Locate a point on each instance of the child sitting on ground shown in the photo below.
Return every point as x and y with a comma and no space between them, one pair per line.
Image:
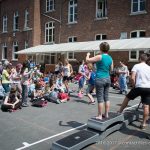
11,101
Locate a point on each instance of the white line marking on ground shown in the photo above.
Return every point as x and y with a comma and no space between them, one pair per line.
29,145
26,145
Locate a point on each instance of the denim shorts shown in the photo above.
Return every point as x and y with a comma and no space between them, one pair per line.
81,82
102,89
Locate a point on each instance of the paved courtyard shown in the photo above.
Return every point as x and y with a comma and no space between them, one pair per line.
34,128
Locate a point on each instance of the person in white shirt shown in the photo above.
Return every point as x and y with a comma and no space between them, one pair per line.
140,77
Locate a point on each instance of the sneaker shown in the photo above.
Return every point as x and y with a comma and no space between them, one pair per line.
25,105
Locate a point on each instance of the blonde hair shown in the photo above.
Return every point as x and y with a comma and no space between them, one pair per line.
90,66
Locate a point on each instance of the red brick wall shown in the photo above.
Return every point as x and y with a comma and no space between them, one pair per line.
119,20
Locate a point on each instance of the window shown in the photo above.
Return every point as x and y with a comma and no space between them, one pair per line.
133,55
101,8
4,51
26,23
72,39
123,35
70,55
16,21
137,6
138,34
50,5
72,16
101,37
5,23
15,49
26,45
49,32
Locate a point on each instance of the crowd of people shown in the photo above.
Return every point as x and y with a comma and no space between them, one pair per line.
25,81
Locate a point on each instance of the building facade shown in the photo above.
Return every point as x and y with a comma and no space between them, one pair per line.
33,22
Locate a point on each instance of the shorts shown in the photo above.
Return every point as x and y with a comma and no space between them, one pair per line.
66,78
81,82
143,92
57,72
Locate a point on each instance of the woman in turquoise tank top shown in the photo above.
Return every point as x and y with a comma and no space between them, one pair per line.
104,64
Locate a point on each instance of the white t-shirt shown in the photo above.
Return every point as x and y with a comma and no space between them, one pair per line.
142,71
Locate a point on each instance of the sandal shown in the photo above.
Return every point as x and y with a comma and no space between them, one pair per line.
143,127
92,103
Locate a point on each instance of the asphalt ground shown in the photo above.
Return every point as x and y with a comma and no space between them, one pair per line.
34,128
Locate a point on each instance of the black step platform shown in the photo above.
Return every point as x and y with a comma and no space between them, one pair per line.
76,141
101,125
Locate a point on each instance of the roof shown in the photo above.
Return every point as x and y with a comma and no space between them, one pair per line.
115,45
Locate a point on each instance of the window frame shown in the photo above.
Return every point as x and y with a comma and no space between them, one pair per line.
26,21
26,44
74,7
123,35
138,33
105,15
4,53
137,55
72,53
15,45
5,24
16,21
48,7
138,9
101,36
47,29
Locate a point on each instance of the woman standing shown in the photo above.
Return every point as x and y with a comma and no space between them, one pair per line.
6,78
104,65
24,82
67,71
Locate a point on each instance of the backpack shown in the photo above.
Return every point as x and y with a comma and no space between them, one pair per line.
39,102
92,78
63,96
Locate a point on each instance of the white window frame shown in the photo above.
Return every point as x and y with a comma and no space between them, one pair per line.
72,38
72,53
123,35
26,44
3,51
26,21
137,55
138,9
50,5
15,23
47,30
5,20
74,7
138,33
101,12
101,36
15,44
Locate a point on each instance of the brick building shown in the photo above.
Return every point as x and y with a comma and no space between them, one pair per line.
33,22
